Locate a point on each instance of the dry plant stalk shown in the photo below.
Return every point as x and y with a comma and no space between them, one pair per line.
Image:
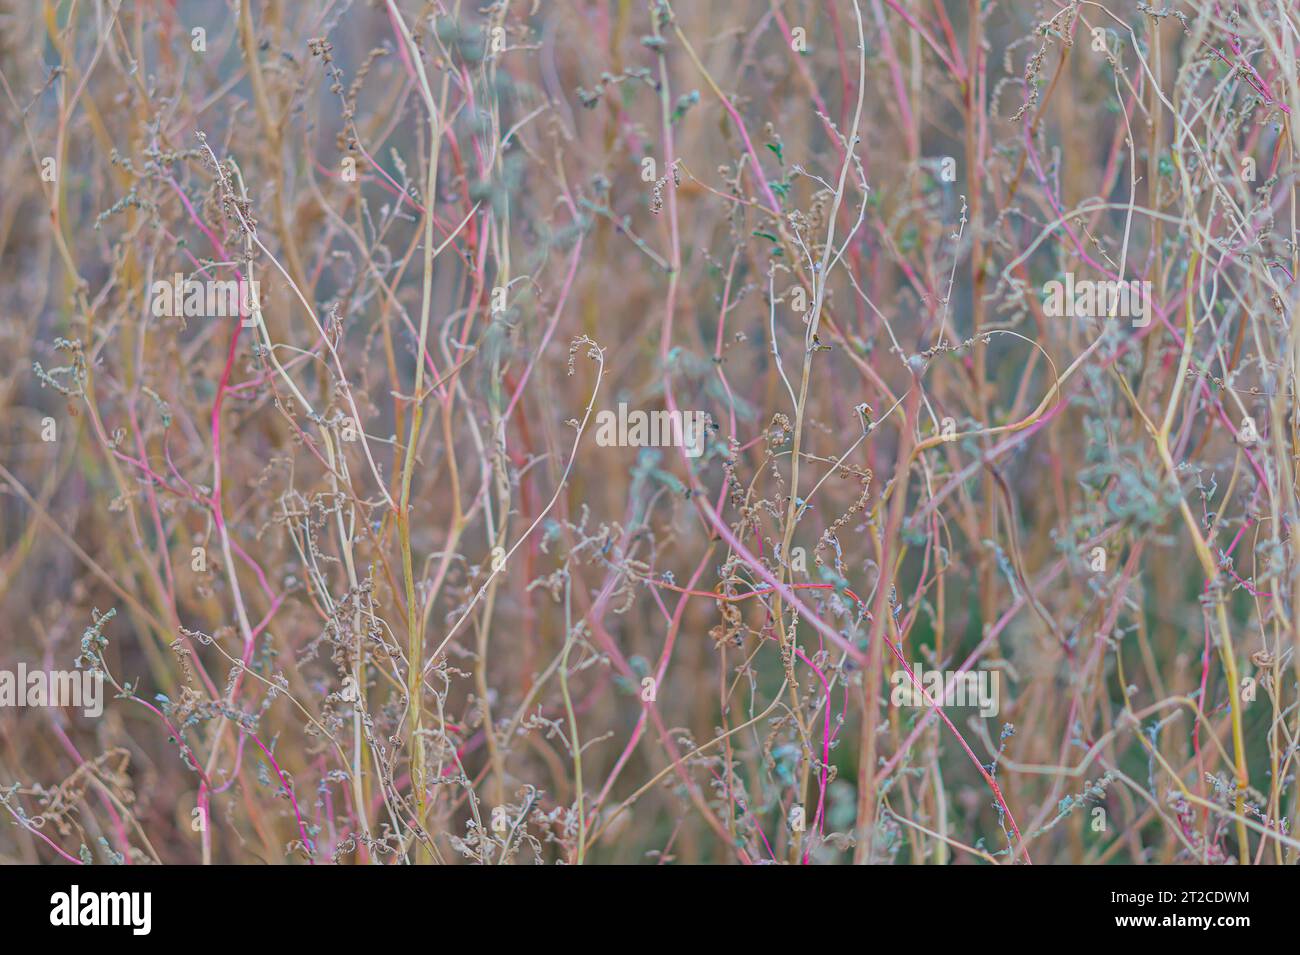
600,432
